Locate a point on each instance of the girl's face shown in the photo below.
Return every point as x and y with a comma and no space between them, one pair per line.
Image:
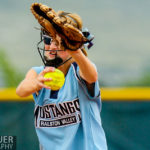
53,46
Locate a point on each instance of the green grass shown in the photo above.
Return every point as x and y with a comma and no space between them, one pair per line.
10,75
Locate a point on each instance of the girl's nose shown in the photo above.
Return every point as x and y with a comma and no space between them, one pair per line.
47,47
53,46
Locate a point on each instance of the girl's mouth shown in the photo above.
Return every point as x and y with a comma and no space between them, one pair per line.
53,52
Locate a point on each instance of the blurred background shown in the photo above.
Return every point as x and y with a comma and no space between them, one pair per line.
121,53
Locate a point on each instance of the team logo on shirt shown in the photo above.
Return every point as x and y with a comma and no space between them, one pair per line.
57,115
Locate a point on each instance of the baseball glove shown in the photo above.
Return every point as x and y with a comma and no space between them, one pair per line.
68,26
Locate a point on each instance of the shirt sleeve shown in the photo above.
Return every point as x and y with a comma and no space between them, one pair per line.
37,70
94,91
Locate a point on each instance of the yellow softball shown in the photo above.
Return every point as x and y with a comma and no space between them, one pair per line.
58,79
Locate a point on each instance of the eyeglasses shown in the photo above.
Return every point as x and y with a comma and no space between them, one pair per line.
47,39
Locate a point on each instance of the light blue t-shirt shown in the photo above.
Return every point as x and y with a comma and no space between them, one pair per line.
69,119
